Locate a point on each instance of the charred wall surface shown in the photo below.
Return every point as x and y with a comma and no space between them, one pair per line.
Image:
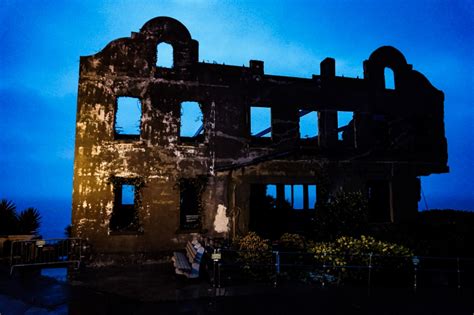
393,137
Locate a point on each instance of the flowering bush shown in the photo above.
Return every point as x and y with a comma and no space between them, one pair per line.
254,253
292,242
348,252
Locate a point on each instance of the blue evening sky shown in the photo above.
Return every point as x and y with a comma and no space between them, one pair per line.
41,42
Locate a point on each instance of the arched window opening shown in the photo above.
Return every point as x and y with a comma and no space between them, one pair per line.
164,55
389,79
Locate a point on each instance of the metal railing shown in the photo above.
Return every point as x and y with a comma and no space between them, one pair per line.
367,269
46,252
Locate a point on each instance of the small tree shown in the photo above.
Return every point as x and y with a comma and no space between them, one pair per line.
29,221
8,218
68,231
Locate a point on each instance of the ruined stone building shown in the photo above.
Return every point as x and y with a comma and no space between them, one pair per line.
151,188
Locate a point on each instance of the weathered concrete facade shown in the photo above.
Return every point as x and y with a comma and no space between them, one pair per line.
395,136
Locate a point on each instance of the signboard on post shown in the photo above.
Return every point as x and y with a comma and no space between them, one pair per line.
216,256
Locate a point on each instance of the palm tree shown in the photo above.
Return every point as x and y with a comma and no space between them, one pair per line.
8,217
29,221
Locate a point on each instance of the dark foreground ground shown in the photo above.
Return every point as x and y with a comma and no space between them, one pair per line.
154,289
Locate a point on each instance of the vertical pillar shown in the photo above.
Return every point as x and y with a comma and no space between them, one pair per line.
280,194
305,197
327,119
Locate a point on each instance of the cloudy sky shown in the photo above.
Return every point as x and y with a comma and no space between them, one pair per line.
41,42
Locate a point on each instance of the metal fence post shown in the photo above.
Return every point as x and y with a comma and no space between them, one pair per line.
277,267
370,274
219,274
459,273
415,261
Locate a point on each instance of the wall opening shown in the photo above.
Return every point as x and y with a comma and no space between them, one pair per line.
190,204
312,197
308,124
272,191
343,123
389,77
128,118
124,216
301,197
378,197
260,122
279,208
164,55
191,122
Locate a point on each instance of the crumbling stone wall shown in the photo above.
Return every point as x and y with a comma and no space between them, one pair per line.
395,136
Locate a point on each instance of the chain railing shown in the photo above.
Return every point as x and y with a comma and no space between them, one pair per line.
46,252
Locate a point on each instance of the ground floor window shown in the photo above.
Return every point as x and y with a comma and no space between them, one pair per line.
124,217
190,203
279,208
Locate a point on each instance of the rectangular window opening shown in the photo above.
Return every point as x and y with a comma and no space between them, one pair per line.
312,196
308,124
128,194
191,122
128,118
301,197
260,122
298,199
124,217
272,191
190,204
343,121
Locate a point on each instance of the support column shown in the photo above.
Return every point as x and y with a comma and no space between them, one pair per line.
327,119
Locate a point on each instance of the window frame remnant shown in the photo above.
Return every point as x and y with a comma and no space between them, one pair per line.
196,134
124,218
122,118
